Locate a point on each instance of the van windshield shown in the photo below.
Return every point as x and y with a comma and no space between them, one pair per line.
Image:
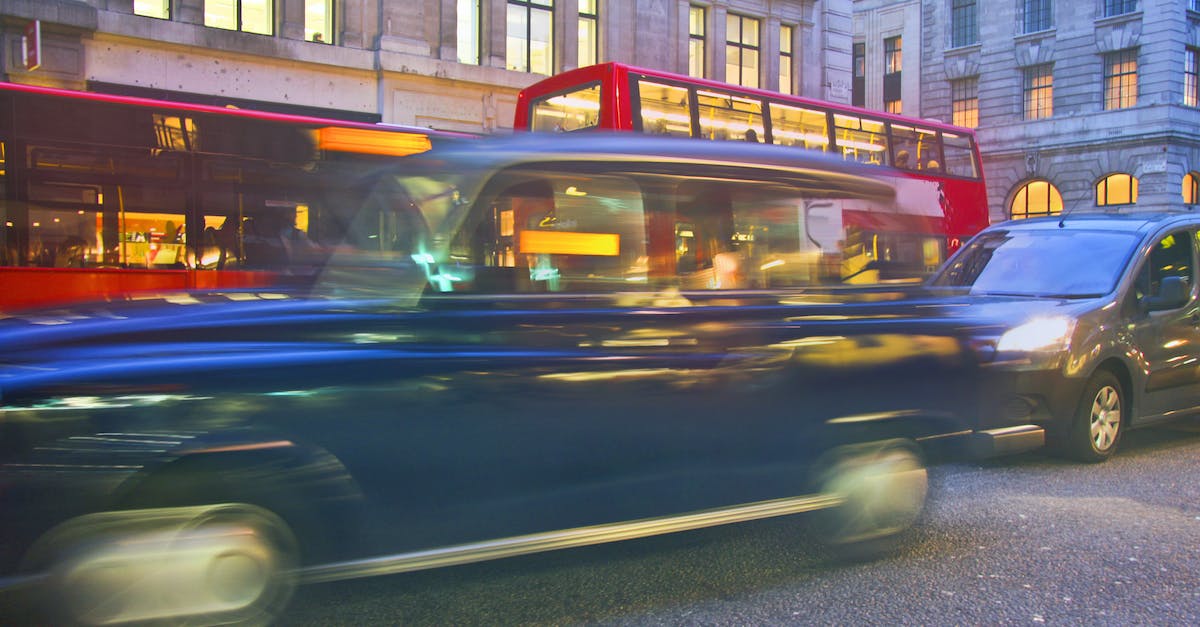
1049,263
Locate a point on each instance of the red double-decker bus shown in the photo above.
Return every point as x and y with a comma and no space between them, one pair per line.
105,196
941,198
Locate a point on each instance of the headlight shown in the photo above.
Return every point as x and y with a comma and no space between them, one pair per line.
1039,334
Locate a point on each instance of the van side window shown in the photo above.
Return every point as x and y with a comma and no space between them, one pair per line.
1171,256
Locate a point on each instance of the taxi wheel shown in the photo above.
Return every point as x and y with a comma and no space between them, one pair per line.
228,564
884,486
1097,426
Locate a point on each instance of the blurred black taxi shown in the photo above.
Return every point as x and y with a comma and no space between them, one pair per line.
520,346
1094,324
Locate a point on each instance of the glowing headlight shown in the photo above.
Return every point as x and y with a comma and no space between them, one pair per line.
1039,334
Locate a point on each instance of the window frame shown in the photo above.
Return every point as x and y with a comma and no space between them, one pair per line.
1037,98
964,23
529,7
697,41
965,110
239,22
742,48
1053,200
1119,79
592,46
1103,189
787,71
1037,16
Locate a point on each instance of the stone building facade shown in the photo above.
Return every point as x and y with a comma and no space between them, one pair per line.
398,61
1076,102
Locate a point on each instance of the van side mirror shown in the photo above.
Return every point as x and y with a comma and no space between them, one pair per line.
1173,293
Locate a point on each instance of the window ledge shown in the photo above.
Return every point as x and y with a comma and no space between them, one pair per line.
1036,35
1119,19
967,49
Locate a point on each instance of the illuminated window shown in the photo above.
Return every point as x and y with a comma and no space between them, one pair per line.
725,116
1120,79
1037,15
964,98
665,109
861,139
589,41
1036,198
697,16
964,27
1191,78
530,43
1119,7
803,128
318,21
468,31
741,50
153,8
1116,189
571,111
892,64
786,60
248,16
1038,99
1191,188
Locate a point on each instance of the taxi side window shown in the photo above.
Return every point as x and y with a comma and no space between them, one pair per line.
1171,256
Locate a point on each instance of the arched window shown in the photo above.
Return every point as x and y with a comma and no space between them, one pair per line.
1116,189
1191,188
1036,198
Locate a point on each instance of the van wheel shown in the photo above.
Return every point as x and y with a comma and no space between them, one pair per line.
1096,430
884,486
212,564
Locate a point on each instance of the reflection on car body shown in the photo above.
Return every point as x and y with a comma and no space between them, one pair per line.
521,346
1096,326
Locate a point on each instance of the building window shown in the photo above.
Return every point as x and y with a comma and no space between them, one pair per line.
1194,5
964,28
1037,15
1036,198
248,16
468,44
892,64
1116,189
1038,98
1191,188
858,88
530,42
589,41
786,59
1119,7
697,16
318,21
153,8
1191,77
1120,79
741,50
964,98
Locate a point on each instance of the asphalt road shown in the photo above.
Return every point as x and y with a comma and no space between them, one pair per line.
1026,540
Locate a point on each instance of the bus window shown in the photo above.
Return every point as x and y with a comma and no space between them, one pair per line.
960,155
915,148
725,116
802,128
574,110
860,139
665,109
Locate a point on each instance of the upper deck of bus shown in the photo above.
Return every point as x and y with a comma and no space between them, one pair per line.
616,75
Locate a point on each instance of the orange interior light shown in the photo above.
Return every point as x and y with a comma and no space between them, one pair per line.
372,142
569,243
